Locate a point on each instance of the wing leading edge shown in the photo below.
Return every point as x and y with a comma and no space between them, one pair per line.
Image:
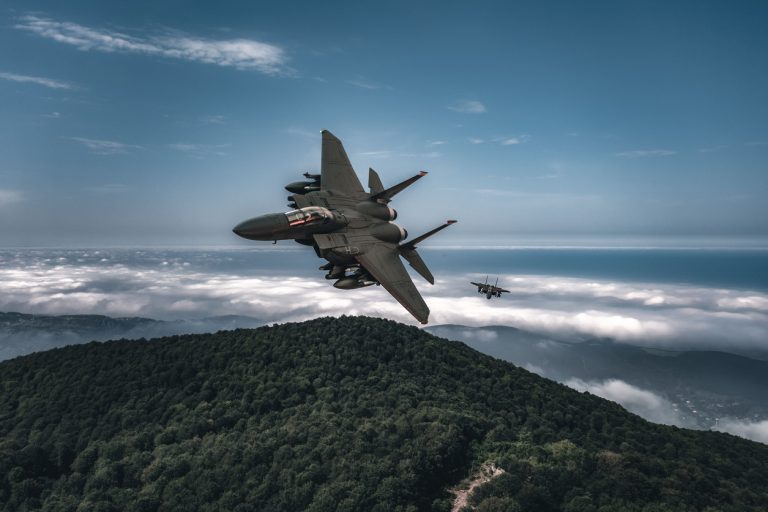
384,264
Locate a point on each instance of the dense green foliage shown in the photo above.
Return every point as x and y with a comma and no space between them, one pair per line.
338,414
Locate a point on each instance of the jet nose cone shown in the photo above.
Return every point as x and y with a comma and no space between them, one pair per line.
265,227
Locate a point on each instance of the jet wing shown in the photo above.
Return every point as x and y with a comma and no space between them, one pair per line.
476,284
335,170
384,264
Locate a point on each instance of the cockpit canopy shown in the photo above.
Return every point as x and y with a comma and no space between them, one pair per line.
310,215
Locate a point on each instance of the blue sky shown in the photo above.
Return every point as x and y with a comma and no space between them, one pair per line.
564,122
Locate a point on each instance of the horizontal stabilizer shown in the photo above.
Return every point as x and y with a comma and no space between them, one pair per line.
418,264
408,251
374,182
412,244
387,195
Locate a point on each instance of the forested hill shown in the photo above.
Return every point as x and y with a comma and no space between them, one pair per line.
338,414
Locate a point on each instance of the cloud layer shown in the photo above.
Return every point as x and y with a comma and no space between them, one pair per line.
183,285
754,430
654,407
244,54
640,401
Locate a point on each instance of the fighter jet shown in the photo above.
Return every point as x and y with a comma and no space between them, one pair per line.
349,227
490,290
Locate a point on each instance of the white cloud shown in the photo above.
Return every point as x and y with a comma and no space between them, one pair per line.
8,196
468,107
437,143
649,314
640,401
243,54
754,430
475,140
744,302
384,153
643,153
538,370
512,141
46,82
105,147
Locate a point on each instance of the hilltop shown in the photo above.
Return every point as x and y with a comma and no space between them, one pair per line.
351,413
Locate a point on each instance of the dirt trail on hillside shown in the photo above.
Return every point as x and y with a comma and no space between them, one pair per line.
486,473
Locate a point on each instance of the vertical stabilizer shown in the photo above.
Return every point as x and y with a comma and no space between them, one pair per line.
374,182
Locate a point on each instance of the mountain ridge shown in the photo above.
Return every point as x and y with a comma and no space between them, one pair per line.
349,413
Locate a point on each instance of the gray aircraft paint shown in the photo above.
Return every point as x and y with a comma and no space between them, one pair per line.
349,227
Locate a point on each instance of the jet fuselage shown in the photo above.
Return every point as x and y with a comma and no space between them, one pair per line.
351,228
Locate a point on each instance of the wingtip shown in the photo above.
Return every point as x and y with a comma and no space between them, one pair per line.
328,135
452,221
423,173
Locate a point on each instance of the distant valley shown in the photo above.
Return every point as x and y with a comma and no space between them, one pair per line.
699,388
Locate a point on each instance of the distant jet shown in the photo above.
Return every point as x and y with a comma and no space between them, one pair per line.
349,227
490,290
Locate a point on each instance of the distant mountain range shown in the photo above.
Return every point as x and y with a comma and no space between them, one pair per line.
702,386
22,334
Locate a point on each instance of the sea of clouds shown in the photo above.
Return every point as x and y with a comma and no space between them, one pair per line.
171,285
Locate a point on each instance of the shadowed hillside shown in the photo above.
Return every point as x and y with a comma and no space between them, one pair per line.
338,414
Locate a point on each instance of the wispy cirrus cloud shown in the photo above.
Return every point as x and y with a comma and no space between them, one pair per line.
503,141
468,107
105,147
513,141
243,54
381,153
38,80
645,153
